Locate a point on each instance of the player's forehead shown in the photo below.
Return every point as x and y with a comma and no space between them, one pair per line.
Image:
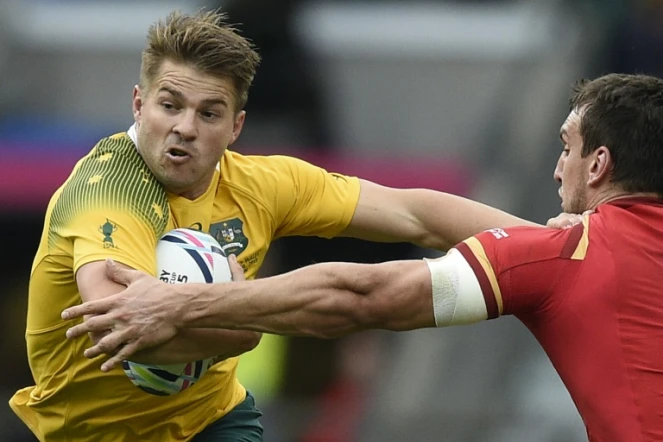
186,82
571,126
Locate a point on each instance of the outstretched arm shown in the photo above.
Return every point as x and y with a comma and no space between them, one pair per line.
323,300
428,218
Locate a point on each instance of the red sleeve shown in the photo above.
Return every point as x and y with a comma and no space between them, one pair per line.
521,268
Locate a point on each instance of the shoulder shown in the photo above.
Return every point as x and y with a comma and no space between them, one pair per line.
113,177
261,175
519,245
235,165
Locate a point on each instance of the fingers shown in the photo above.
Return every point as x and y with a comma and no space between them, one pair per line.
236,269
119,274
123,354
97,307
109,344
564,221
90,325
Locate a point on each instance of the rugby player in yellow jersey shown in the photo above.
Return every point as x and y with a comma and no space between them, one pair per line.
171,169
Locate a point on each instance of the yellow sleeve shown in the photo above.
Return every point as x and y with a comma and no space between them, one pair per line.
311,201
111,207
120,235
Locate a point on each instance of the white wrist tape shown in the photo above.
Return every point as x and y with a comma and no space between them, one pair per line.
457,296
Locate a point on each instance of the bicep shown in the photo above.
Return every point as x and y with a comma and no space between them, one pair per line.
456,292
93,282
381,214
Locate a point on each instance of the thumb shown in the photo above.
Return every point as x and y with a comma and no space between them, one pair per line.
236,269
117,273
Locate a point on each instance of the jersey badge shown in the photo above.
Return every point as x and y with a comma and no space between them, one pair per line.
498,233
107,229
230,235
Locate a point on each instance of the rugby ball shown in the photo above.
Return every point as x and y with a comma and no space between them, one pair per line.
183,255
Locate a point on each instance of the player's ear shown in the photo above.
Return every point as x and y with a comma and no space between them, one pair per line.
238,124
137,104
600,166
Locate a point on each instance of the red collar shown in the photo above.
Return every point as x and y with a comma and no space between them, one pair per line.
631,201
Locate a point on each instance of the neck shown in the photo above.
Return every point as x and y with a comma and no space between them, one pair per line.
195,192
616,194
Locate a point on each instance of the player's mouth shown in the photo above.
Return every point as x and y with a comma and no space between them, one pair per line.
177,155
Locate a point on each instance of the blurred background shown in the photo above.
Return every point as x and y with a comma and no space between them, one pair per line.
461,96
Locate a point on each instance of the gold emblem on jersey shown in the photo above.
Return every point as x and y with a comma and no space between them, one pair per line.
146,175
95,179
105,157
158,210
107,229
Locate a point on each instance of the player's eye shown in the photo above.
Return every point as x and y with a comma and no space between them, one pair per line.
209,115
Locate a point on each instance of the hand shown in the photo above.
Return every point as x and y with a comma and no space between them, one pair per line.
143,315
235,269
567,220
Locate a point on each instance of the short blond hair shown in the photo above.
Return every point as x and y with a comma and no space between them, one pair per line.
207,43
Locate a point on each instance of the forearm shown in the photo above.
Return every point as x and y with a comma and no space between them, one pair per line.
193,344
323,300
425,217
445,220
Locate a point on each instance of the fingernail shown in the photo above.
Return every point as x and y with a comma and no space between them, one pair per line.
233,258
110,261
64,315
68,334
104,368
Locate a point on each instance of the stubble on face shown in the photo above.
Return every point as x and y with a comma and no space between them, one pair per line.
577,203
203,102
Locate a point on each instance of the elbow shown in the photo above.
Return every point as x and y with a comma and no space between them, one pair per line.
428,239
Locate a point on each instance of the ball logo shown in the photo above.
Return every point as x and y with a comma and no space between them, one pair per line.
172,277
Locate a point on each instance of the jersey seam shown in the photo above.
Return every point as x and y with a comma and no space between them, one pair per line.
628,372
41,331
630,383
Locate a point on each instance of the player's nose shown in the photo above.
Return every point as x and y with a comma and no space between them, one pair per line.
557,173
186,125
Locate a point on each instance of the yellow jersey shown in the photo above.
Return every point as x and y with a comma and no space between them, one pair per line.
111,206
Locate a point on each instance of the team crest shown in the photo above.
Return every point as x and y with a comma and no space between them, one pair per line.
107,229
230,236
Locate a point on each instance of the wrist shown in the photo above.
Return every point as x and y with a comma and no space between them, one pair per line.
191,305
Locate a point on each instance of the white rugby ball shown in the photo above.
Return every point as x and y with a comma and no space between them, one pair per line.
183,255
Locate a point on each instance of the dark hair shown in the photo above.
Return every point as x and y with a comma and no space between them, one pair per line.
207,43
625,114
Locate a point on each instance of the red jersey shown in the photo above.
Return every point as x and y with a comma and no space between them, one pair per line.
592,296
